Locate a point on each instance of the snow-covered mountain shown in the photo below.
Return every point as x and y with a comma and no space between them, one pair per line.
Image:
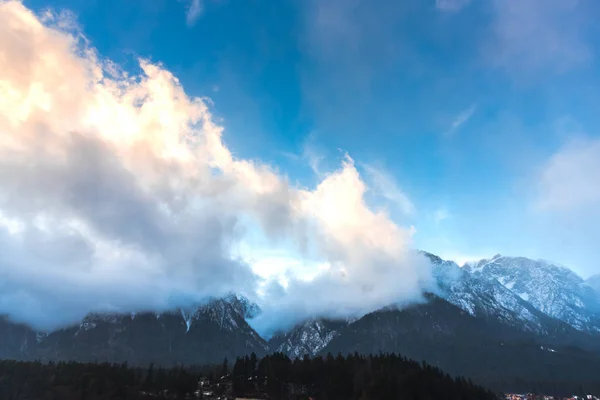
498,290
555,290
523,298
309,337
478,347
487,298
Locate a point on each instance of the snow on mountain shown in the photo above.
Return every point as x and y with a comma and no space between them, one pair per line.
198,334
535,297
553,289
478,290
229,314
309,337
485,298
243,305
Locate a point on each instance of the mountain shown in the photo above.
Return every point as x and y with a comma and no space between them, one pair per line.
205,334
243,306
555,290
486,297
16,340
499,318
307,338
475,293
448,337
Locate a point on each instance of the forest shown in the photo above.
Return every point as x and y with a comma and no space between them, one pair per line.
272,377
385,376
353,377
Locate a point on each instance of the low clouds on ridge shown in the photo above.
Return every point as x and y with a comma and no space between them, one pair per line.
117,193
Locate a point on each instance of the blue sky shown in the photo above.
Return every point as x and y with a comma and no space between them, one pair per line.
460,103
159,152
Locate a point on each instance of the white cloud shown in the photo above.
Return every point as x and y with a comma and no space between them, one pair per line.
117,192
529,35
440,215
461,119
386,186
194,11
312,155
570,179
451,5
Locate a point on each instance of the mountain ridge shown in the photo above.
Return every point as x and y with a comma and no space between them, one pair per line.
450,338
207,333
478,294
553,289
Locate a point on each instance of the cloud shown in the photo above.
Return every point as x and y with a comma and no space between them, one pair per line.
118,193
451,5
568,182
529,35
563,218
461,119
194,11
385,185
440,215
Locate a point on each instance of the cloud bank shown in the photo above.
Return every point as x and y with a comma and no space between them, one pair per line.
117,193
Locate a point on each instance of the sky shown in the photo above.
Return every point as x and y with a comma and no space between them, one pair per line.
153,152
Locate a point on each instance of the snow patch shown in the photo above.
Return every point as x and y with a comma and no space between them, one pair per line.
188,320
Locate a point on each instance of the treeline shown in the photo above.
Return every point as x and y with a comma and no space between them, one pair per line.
76,381
353,377
274,377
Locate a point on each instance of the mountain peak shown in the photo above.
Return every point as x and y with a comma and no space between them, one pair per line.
308,337
551,288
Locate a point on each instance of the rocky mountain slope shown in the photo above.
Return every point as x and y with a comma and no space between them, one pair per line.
307,338
486,297
554,290
204,334
481,294
490,308
16,340
460,343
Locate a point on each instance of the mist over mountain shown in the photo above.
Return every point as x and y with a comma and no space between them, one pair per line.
471,325
468,304
503,312
201,335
